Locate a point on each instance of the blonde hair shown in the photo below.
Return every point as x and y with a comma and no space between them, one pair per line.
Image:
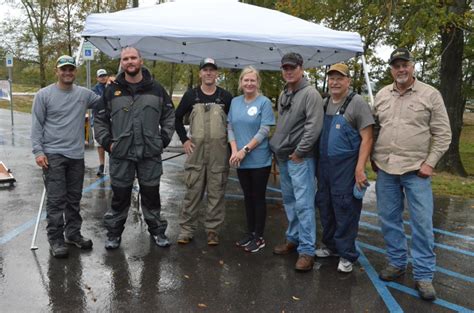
250,70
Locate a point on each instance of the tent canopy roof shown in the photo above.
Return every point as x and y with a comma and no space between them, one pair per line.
233,33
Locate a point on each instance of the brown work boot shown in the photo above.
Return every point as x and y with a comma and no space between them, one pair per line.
212,238
285,248
184,239
305,263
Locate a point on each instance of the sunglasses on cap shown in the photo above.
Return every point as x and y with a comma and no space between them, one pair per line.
66,60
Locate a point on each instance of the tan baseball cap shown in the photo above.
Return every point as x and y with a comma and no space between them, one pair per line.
340,68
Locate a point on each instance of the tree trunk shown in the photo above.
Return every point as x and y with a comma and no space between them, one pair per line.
172,70
452,46
42,63
190,78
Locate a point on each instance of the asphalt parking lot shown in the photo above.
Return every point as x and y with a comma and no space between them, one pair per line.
142,277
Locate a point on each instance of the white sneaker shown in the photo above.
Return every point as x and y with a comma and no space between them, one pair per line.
344,266
325,253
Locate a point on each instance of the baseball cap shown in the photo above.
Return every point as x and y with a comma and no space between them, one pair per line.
292,58
400,54
340,68
208,61
65,60
101,72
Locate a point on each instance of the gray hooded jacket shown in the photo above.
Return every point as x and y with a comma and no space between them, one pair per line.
300,120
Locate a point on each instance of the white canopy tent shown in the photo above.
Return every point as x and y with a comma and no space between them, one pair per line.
233,33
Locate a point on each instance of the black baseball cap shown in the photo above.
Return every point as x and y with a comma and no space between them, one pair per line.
292,58
400,54
208,61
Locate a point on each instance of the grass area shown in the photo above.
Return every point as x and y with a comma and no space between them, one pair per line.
20,103
443,183
466,146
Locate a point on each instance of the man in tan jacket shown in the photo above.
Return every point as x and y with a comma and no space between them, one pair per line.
414,133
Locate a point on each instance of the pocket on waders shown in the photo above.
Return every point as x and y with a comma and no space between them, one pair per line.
220,174
191,174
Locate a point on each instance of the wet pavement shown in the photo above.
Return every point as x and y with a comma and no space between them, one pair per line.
142,277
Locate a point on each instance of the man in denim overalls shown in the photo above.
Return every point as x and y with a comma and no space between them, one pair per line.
345,145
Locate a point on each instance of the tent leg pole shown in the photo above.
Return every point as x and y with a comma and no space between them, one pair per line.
79,51
367,80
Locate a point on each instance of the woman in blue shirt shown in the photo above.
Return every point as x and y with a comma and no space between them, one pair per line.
249,120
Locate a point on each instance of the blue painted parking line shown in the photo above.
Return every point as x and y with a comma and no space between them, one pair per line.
439,269
367,225
439,245
436,230
440,302
388,299
25,226
375,279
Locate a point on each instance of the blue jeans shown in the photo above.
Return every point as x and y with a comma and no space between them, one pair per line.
391,191
298,186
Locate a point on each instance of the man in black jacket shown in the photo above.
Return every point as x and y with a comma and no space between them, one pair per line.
134,125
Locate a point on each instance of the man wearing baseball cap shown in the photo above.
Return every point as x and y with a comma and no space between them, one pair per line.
99,88
413,134
300,119
344,148
207,165
57,137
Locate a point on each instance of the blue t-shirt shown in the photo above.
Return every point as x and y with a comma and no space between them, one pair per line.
246,119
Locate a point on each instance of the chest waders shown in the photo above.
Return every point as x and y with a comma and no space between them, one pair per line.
207,168
339,210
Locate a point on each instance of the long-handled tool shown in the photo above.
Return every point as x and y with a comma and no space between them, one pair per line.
172,157
40,210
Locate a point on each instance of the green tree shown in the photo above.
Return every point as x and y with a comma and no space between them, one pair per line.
38,14
434,31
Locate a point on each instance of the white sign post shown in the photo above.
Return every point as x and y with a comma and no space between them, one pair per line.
88,55
9,64
9,60
88,51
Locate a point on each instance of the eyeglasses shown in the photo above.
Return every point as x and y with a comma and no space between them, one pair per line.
286,103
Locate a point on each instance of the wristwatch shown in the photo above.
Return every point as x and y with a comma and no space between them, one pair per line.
246,149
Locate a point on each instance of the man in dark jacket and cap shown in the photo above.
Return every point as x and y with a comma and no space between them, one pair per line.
134,125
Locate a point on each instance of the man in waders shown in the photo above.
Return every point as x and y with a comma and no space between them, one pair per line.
207,165
345,145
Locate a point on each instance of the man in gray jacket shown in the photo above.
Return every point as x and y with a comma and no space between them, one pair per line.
57,136
134,125
300,109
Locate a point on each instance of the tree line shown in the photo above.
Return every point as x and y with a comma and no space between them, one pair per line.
438,32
